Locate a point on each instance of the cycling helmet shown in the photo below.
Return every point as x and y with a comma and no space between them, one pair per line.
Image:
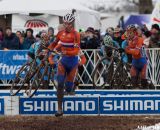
45,39
131,32
131,27
108,40
69,18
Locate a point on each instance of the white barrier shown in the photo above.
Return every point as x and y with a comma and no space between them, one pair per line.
93,56
83,105
87,102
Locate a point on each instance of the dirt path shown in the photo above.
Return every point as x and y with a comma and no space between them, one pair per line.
76,122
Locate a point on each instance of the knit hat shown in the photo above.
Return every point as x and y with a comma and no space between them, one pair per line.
156,26
90,29
147,33
50,28
30,30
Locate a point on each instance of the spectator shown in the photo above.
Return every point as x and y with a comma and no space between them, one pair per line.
28,40
110,31
90,41
38,37
144,28
51,34
117,36
121,22
11,41
155,40
19,35
42,33
1,37
98,36
146,36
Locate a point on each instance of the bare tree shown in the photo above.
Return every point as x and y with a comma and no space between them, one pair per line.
145,6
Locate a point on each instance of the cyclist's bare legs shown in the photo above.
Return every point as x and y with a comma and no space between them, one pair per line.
134,77
69,83
144,82
60,90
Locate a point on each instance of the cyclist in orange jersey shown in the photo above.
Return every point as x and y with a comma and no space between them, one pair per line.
68,43
139,59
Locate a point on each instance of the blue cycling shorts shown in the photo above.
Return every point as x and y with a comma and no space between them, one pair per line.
139,63
69,62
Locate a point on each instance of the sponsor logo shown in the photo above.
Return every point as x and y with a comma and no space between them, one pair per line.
129,105
1,106
20,57
35,23
9,69
74,105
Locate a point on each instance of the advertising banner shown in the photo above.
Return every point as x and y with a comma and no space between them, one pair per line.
11,62
1,106
132,105
71,105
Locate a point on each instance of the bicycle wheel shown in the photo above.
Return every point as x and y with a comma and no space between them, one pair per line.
102,73
120,79
126,77
36,80
52,77
19,80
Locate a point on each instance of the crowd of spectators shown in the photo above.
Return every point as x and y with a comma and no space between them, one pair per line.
21,40
90,38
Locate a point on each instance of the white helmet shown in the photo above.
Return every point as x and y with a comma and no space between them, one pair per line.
69,18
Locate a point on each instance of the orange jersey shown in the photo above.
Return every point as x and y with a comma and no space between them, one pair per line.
135,48
67,42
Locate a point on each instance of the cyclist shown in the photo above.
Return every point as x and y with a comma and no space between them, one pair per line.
107,51
139,59
108,41
67,42
37,49
34,48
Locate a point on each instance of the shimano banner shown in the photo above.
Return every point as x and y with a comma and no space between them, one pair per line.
129,105
71,105
10,63
1,106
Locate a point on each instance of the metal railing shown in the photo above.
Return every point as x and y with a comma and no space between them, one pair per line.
93,56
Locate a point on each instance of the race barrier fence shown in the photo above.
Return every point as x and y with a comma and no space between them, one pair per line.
11,61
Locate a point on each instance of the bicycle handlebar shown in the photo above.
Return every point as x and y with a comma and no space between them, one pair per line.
120,50
53,52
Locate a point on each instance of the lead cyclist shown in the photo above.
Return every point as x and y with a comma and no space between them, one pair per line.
67,42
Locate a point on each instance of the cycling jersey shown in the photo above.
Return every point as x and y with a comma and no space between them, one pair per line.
69,44
139,60
135,48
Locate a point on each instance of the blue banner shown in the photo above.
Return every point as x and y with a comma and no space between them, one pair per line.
1,106
72,105
129,105
10,63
